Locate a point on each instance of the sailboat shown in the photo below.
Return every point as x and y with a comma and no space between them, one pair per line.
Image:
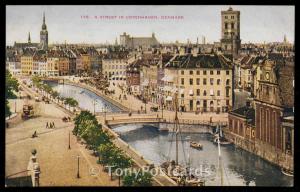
172,168
219,138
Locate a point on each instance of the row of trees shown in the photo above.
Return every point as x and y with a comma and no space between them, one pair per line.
88,128
49,92
11,86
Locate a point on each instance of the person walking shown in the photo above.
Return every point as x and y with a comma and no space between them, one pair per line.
47,125
53,125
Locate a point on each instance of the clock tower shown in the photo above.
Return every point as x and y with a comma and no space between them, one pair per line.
44,35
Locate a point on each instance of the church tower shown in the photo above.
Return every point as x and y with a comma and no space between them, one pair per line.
29,39
230,40
44,35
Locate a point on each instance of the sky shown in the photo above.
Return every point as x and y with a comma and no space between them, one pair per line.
67,23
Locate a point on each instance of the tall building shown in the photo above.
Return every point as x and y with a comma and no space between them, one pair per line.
138,42
230,41
44,35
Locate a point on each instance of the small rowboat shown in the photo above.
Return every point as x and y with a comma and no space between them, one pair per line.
196,145
287,172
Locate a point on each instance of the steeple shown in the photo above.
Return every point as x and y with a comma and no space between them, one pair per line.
284,39
29,40
44,26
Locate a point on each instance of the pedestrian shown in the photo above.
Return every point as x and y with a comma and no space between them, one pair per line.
53,125
47,125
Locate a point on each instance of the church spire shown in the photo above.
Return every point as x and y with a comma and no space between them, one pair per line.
29,39
44,27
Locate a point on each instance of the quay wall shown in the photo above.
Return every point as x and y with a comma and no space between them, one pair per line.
263,150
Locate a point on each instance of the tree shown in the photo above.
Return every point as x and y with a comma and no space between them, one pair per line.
80,121
71,102
140,178
36,80
11,85
55,94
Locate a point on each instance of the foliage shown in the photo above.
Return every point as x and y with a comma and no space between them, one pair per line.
71,102
36,80
113,156
139,178
11,85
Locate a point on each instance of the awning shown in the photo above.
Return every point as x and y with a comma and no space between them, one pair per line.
167,78
181,91
167,88
145,83
191,92
174,90
169,98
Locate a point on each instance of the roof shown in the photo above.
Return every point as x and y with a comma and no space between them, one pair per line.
116,55
200,61
245,112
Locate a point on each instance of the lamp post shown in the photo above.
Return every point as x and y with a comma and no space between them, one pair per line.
78,166
15,105
105,113
69,141
94,102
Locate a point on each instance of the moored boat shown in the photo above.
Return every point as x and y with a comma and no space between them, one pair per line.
287,172
196,145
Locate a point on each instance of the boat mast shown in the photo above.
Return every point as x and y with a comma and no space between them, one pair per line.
176,126
220,160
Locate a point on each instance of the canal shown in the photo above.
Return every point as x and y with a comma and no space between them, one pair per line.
240,168
84,97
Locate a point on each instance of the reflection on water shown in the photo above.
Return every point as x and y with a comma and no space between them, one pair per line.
239,167
84,97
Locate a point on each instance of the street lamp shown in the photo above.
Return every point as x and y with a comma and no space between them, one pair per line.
105,113
69,141
78,166
15,105
94,102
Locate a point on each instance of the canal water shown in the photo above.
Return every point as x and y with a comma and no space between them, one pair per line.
84,97
240,168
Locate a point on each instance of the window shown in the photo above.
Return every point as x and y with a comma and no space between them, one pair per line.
198,92
226,26
227,102
211,92
267,90
211,72
191,81
204,93
182,81
232,17
204,81
218,81
218,72
204,72
182,95
198,81
232,25
227,92
227,82
218,93
198,72
191,72
226,17
211,81
227,72
182,72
